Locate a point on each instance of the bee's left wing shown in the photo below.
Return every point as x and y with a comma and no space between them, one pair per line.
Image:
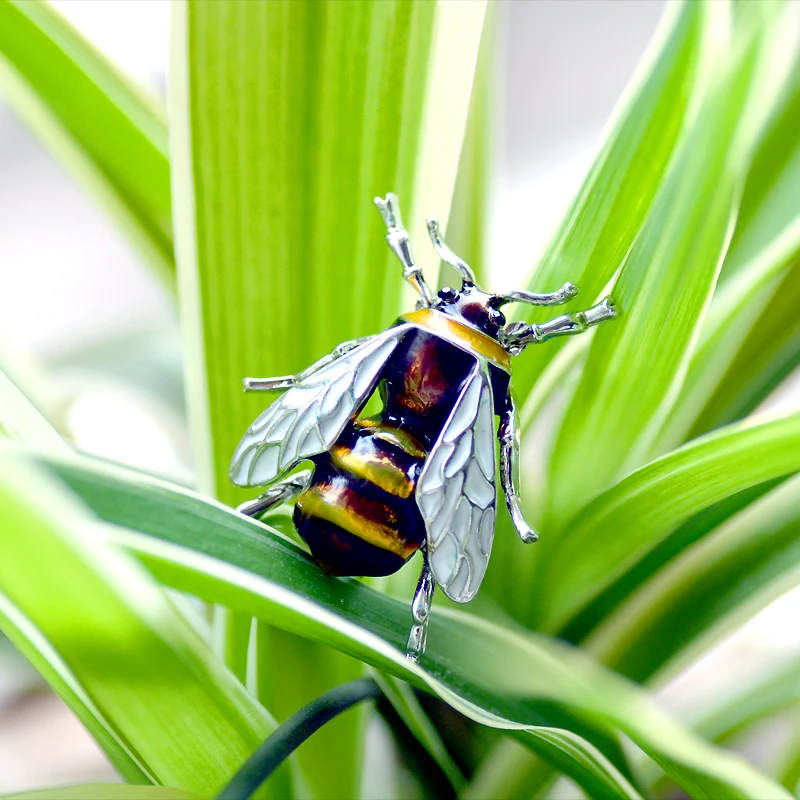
456,492
309,417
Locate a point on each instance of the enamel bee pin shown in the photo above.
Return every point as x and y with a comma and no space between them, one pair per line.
422,474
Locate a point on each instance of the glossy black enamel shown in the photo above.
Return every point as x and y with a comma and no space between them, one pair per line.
423,380
474,307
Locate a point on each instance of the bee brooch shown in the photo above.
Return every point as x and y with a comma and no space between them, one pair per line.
420,475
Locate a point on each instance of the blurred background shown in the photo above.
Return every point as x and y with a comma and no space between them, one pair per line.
76,304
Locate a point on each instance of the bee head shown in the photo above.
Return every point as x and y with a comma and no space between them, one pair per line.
481,310
474,307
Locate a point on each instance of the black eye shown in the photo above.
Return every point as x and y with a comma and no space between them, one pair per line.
448,295
496,317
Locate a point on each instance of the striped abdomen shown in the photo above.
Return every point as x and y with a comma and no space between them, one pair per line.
359,516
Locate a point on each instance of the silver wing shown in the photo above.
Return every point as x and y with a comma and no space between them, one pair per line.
309,417
456,492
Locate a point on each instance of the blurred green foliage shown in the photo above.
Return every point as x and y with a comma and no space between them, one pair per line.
668,515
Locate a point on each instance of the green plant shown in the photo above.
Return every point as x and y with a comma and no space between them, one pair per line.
666,519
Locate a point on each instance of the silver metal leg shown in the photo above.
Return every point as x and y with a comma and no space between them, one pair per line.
508,434
279,493
288,381
397,239
420,611
518,335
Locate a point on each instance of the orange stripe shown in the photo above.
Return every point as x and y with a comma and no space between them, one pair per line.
463,336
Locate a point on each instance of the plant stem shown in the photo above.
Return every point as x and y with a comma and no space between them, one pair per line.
293,733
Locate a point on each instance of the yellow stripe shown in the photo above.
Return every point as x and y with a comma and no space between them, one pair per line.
316,502
373,468
463,336
391,435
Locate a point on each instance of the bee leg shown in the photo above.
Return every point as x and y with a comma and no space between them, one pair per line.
420,611
508,434
518,335
288,381
397,239
279,493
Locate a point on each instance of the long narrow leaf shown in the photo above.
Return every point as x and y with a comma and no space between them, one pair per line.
115,648
766,241
94,120
606,215
765,358
732,326
469,221
516,699
409,709
623,524
497,676
679,540
771,197
284,131
288,118
707,591
107,488
635,366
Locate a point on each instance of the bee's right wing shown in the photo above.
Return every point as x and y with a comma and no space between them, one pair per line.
456,491
309,417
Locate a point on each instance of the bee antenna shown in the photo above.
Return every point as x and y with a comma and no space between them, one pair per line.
562,295
447,255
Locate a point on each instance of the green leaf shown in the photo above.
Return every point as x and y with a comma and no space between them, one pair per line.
130,496
757,697
790,767
497,676
102,791
771,198
743,317
470,215
635,366
766,357
679,540
579,760
115,648
92,118
287,673
579,757
409,709
627,521
287,120
707,591
509,772
606,215
284,130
